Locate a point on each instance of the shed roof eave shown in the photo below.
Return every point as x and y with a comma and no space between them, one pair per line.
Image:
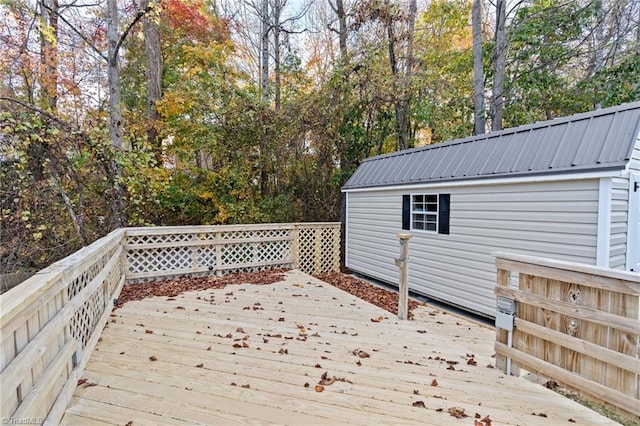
617,171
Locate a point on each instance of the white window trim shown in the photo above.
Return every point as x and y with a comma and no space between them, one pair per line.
412,212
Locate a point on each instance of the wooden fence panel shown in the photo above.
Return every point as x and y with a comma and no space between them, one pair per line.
575,324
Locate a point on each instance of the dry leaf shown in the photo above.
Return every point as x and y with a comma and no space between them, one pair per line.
149,331
82,381
360,353
457,412
246,386
306,385
153,358
319,388
419,404
200,366
434,382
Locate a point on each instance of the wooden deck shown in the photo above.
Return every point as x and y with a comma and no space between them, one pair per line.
250,354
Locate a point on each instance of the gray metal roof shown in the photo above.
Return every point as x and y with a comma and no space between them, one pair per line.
600,140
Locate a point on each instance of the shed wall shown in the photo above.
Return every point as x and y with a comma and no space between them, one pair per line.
552,219
619,222
634,164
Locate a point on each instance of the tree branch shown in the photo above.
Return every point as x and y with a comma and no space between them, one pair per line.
75,30
136,19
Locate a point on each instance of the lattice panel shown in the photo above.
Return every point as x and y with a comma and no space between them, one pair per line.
237,253
318,249
86,317
213,251
82,280
159,239
272,251
306,250
160,259
254,234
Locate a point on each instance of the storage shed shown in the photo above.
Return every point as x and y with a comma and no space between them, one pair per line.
567,189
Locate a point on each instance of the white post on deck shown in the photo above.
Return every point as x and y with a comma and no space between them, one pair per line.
403,288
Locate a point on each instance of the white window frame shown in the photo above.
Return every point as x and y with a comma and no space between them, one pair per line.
414,212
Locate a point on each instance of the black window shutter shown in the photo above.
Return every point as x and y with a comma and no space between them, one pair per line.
443,213
406,212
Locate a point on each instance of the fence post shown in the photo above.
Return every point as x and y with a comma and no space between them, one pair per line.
403,288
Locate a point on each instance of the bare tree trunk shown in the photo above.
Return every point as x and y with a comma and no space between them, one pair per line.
115,109
404,122
401,105
153,53
478,70
597,57
342,30
264,63
277,10
115,115
499,66
49,53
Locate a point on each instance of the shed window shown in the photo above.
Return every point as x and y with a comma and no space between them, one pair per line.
424,212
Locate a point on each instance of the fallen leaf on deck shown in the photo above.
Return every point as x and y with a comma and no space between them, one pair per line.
319,388
237,345
416,392
306,385
209,348
239,330
283,351
434,382
538,414
421,331
472,361
360,353
326,380
419,404
246,386
317,366
82,381
244,344
129,423
457,412
200,366
153,358
377,319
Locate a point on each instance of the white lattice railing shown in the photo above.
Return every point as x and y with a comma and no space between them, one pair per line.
50,324
205,250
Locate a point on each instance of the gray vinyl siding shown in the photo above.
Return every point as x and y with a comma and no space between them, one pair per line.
551,219
634,164
619,220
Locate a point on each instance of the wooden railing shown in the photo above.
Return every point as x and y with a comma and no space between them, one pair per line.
313,248
575,324
50,324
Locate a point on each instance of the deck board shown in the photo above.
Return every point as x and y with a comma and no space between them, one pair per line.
198,376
